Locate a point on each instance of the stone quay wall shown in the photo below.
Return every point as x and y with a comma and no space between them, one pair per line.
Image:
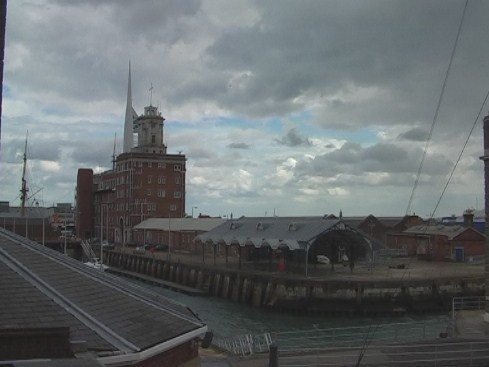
286,292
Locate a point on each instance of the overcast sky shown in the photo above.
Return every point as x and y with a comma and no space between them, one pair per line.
281,107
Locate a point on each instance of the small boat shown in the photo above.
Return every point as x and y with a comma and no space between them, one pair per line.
94,261
96,264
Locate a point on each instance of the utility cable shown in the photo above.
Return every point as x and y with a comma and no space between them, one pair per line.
460,155
435,117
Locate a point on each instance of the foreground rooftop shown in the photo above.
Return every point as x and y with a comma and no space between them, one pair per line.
108,318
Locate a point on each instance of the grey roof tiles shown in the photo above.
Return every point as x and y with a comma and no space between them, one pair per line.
57,290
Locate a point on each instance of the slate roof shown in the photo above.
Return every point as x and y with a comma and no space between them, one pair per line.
293,232
442,230
180,224
40,287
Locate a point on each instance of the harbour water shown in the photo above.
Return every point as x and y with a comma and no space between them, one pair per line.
229,320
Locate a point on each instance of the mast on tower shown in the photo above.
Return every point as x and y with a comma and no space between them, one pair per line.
113,153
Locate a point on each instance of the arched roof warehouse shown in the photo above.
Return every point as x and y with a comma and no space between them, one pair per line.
295,233
292,233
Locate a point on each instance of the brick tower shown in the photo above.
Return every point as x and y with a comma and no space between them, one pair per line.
144,182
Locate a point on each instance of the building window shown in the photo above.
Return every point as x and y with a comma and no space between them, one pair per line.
140,164
148,192
150,164
161,164
161,180
177,167
178,180
161,193
153,139
177,194
173,207
150,178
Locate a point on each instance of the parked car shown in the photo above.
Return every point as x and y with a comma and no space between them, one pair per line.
322,259
139,250
161,248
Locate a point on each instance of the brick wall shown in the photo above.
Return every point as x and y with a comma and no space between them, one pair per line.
35,343
184,355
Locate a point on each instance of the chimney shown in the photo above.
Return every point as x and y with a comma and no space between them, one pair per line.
468,218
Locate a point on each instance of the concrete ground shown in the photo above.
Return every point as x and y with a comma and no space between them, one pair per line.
470,324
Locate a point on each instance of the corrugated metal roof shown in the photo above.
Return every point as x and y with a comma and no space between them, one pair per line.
180,224
293,232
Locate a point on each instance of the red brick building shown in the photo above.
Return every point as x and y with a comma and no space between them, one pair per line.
144,182
440,242
84,207
379,227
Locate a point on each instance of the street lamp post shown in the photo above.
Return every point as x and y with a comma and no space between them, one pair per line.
42,216
142,219
101,233
64,216
169,236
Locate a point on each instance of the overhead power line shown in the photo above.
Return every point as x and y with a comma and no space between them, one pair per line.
461,153
435,117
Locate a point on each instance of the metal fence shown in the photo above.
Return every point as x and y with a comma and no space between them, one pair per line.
467,304
436,353
246,344
348,337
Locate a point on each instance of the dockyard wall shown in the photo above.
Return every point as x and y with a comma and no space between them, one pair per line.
301,294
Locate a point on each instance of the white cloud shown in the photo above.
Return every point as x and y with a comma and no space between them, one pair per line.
338,191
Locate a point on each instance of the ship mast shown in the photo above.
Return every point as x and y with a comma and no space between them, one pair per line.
24,189
113,154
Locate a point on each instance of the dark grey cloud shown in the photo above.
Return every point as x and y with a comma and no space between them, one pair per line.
399,49
13,151
93,153
415,134
353,159
239,146
293,139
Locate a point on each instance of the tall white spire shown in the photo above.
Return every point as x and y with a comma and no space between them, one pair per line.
129,118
